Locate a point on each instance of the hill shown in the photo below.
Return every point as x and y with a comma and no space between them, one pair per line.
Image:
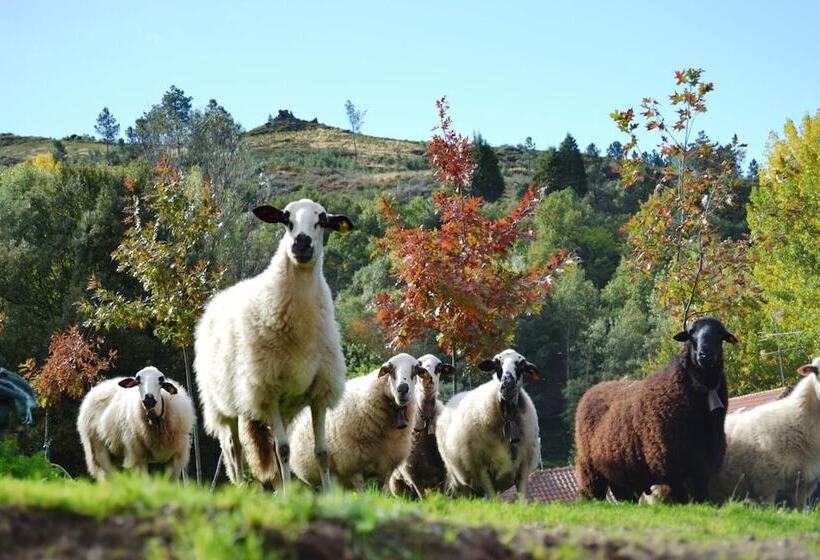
14,149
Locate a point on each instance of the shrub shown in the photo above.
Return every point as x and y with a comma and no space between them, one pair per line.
13,464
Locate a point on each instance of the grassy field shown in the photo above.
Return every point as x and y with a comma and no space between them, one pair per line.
157,519
19,148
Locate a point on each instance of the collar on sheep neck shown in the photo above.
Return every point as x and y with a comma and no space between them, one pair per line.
712,398
426,419
158,422
399,416
511,429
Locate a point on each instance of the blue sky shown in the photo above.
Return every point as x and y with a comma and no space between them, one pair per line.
510,70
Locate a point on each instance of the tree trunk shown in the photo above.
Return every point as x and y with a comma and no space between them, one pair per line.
455,375
192,393
46,442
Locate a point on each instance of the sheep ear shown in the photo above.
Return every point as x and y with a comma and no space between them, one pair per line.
337,222
271,215
128,382
730,338
530,368
170,387
808,369
487,365
445,370
421,371
386,369
682,336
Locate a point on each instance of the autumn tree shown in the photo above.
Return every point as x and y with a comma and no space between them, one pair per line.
674,237
458,280
356,120
169,229
74,365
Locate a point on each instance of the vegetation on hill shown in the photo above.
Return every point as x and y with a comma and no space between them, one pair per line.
62,215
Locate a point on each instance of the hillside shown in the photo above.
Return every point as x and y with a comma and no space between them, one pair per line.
296,153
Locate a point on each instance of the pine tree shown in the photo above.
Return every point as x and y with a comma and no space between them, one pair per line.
571,166
107,127
486,181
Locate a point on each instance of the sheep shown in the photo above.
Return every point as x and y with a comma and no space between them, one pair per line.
774,447
132,429
269,346
666,429
488,436
368,433
424,467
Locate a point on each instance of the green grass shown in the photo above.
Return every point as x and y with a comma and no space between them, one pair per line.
21,148
216,524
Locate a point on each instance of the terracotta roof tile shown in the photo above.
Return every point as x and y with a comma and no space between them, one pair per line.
549,485
756,399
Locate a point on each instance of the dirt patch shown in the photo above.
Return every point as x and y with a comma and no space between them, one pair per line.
28,534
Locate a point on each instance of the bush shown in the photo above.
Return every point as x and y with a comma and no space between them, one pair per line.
13,464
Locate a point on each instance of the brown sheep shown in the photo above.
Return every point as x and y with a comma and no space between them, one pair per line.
665,429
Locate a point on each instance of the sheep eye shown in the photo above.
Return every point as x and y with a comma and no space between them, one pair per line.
137,379
162,380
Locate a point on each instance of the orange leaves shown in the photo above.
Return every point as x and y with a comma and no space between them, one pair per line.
458,280
73,366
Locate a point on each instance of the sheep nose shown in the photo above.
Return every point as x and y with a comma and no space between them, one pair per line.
403,388
302,240
149,401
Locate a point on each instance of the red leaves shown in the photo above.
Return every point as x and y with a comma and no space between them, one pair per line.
458,280
72,367
450,154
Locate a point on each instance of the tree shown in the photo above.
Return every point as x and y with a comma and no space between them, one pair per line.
458,280
163,126
784,217
73,366
592,151
356,119
215,146
107,127
172,224
486,180
176,107
615,150
572,172
547,170
58,150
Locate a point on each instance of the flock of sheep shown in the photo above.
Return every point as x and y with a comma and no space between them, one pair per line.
271,377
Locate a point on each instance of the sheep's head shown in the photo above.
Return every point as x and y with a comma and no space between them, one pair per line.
400,372
435,368
812,369
305,222
150,381
509,368
706,337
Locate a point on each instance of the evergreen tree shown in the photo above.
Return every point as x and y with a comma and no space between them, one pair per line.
615,150
486,180
547,170
107,127
571,166
592,150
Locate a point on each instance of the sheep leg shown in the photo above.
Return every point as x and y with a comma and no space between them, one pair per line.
282,446
590,483
317,414
101,461
521,485
232,451
487,484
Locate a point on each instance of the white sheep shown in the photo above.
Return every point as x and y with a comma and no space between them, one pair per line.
121,427
368,432
488,437
774,447
269,346
423,469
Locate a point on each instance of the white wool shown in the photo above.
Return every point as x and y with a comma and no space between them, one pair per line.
773,447
363,441
472,443
268,342
115,432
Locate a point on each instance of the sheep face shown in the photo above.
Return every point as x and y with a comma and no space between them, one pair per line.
401,371
706,337
509,368
429,384
150,381
812,369
306,222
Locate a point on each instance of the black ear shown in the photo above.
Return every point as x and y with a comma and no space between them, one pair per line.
730,338
530,368
488,365
170,387
337,222
128,382
271,215
445,370
386,369
421,371
682,336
